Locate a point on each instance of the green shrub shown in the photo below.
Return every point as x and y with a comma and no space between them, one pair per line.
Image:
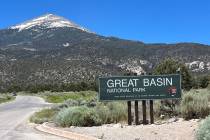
104,113
42,116
118,111
77,116
60,97
168,108
208,87
203,81
157,108
203,132
72,102
204,92
194,105
80,102
170,66
6,98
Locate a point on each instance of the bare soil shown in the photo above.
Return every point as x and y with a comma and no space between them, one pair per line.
170,130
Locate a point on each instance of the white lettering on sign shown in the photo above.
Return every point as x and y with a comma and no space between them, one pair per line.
158,82
118,90
122,83
110,83
118,83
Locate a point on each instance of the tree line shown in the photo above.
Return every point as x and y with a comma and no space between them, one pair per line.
64,87
167,66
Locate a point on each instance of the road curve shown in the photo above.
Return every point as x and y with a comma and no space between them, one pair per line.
14,116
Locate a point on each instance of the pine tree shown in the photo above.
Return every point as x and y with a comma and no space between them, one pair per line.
170,66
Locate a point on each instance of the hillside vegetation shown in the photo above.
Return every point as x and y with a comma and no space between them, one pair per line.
51,56
6,98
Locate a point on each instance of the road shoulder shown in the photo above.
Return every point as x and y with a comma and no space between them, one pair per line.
45,127
181,129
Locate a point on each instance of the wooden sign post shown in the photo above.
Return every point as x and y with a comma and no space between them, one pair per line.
129,113
151,112
136,113
144,111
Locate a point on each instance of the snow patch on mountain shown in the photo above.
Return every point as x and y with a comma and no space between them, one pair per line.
48,21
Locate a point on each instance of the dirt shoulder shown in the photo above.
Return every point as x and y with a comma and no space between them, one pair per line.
179,130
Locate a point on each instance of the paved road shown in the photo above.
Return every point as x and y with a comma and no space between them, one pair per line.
14,116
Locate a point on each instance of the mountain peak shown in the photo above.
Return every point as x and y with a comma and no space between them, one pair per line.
48,21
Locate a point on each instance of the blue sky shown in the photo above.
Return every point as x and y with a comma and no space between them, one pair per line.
150,21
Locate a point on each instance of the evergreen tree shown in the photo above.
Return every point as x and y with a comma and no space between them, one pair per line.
171,66
203,82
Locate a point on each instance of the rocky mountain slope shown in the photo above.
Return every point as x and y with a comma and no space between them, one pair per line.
52,49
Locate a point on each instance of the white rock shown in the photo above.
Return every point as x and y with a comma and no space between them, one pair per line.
118,125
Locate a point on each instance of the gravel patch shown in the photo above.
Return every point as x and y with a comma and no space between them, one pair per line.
170,130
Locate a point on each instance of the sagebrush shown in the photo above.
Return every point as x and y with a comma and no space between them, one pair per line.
203,132
194,105
77,116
